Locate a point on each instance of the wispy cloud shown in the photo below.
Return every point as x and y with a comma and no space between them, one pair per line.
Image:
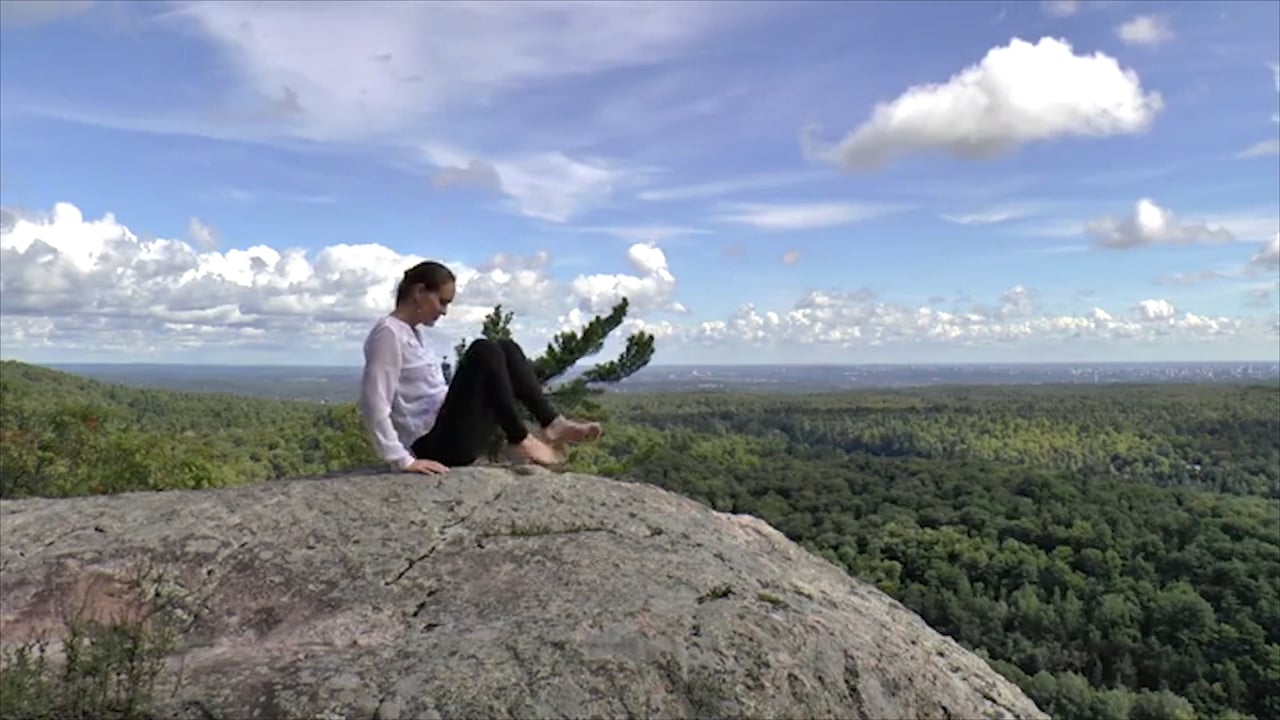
1060,249
26,13
1275,74
382,89
1262,149
644,233
202,236
987,191
1192,278
1248,225
1259,297
1060,8
1130,176
996,214
1052,228
547,186
382,80
1145,30
803,216
247,196
719,188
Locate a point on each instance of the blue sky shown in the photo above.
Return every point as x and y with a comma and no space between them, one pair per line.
802,182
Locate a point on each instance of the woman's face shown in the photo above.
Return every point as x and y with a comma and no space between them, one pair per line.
431,305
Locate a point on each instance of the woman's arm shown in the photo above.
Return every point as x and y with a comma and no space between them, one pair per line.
377,388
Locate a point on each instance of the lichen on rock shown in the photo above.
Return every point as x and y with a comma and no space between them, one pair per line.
490,593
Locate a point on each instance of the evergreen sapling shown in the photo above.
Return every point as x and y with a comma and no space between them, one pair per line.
566,350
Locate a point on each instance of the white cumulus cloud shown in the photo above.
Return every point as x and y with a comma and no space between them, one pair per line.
84,285
861,320
1155,310
1017,301
1151,224
653,288
1017,94
75,283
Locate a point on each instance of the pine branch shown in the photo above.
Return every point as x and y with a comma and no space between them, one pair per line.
497,326
567,348
635,356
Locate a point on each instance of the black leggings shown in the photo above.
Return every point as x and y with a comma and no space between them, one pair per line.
492,376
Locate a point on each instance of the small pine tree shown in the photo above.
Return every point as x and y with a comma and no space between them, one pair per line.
568,348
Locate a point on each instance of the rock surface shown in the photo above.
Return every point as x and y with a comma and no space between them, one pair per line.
486,593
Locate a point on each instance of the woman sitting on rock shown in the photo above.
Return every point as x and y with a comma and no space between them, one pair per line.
420,423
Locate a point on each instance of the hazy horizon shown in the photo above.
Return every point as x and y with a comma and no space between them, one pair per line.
588,362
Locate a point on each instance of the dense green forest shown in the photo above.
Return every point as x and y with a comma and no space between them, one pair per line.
1112,549
65,435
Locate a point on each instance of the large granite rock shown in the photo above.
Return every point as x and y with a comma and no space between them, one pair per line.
485,593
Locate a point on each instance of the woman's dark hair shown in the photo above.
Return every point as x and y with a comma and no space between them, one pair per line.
429,274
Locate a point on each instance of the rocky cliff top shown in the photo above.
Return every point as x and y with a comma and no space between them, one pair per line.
481,593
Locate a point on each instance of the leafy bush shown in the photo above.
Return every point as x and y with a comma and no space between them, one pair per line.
102,669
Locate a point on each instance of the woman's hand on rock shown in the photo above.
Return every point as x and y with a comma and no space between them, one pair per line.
426,467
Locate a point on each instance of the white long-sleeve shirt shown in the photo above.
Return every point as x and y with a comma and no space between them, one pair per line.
401,390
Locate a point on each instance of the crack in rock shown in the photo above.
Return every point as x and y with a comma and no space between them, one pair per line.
444,537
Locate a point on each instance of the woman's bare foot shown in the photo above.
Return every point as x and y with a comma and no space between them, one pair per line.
563,431
536,451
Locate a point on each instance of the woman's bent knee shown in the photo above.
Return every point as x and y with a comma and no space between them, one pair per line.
511,347
484,348
506,346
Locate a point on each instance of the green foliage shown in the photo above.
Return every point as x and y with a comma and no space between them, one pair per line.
61,435
102,670
107,671
1217,437
497,325
1103,590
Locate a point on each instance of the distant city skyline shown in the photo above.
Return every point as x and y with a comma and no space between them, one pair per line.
767,182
